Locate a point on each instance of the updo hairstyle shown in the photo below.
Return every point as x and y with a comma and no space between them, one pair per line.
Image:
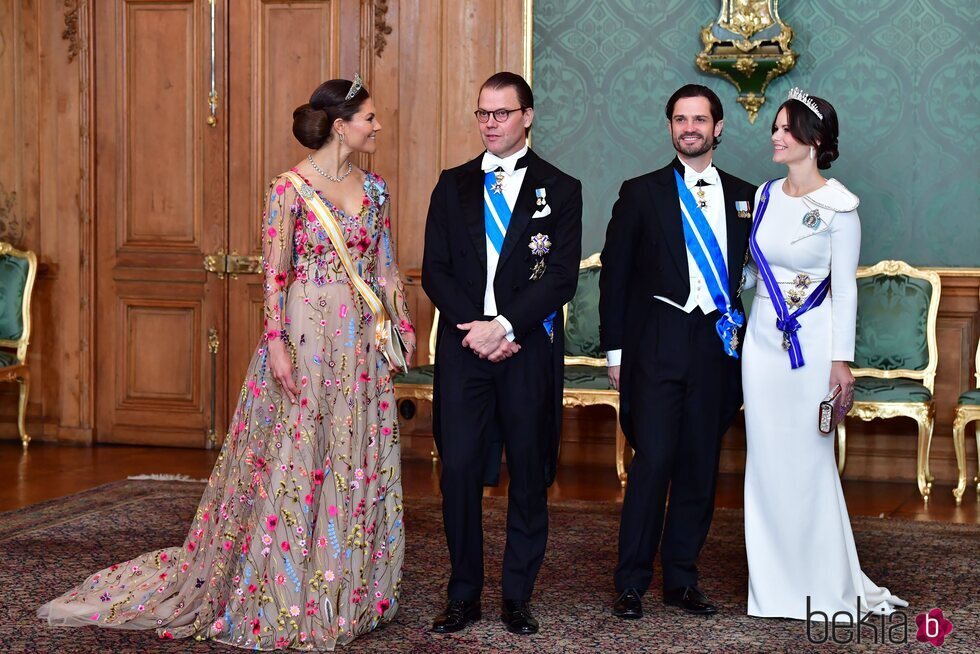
811,130
313,122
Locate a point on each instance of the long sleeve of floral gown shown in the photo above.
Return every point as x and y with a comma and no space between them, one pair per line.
277,253
389,280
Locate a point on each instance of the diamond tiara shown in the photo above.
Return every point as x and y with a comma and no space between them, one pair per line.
796,93
355,86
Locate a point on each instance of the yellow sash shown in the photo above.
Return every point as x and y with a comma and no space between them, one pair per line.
382,323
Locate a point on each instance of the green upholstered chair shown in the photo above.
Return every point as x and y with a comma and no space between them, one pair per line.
416,384
895,354
586,380
967,410
17,273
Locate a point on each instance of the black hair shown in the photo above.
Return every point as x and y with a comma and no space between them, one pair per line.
313,121
809,129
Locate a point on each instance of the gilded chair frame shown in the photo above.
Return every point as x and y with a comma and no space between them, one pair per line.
574,397
19,372
964,415
922,412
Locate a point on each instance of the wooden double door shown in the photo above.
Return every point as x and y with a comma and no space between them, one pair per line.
194,113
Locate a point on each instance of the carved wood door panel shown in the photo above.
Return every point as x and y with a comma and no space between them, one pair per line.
160,207
279,52
195,103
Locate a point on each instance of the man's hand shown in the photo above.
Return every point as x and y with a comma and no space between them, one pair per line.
483,337
506,350
613,372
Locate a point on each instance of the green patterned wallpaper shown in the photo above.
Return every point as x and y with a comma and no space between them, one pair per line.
904,76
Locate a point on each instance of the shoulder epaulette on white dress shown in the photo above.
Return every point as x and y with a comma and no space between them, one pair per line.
832,196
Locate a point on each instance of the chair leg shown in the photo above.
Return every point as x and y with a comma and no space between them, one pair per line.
621,452
25,387
841,446
925,420
976,480
959,445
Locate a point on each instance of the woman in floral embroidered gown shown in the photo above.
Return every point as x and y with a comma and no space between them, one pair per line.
298,539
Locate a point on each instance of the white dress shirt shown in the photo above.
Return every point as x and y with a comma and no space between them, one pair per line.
511,182
714,213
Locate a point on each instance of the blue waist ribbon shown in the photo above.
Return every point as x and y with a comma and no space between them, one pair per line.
786,322
703,246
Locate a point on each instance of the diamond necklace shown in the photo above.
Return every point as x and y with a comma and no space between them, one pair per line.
350,167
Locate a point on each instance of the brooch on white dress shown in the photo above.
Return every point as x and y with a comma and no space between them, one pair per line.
812,218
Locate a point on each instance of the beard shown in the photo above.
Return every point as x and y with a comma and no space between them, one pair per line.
695,149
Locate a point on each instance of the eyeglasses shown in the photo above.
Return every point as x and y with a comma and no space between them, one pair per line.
500,115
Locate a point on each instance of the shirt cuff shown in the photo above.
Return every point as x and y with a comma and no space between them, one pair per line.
508,328
614,358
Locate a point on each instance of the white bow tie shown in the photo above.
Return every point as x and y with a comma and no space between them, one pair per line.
492,162
709,175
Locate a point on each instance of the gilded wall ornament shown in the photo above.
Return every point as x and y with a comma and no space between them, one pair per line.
749,46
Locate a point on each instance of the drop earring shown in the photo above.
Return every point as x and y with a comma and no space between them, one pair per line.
342,141
812,152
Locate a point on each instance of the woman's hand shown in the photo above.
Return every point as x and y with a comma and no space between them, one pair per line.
408,338
281,366
840,373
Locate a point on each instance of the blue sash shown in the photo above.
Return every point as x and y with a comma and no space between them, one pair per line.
496,213
711,263
786,322
496,220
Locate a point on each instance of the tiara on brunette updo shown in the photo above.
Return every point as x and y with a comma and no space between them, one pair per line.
796,93
355,86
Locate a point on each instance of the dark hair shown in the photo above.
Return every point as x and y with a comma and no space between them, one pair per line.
806,127
504,79
697,91
313,121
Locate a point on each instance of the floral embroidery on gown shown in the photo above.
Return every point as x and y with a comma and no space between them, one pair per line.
298,539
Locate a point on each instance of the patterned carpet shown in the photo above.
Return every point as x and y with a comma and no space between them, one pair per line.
49,546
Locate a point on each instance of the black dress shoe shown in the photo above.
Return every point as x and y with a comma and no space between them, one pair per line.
457,615
516,614
628,606
690,599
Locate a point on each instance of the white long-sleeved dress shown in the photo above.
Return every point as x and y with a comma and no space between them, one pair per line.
797,532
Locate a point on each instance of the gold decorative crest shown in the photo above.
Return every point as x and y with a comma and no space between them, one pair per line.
749,46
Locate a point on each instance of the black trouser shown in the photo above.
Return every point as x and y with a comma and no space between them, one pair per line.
514,397
681,396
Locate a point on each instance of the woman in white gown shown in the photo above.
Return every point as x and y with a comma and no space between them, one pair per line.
801,553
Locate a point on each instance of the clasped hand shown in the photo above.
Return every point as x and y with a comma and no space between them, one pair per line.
840,373
487,339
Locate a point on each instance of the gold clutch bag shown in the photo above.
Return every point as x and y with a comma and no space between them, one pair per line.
833,408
